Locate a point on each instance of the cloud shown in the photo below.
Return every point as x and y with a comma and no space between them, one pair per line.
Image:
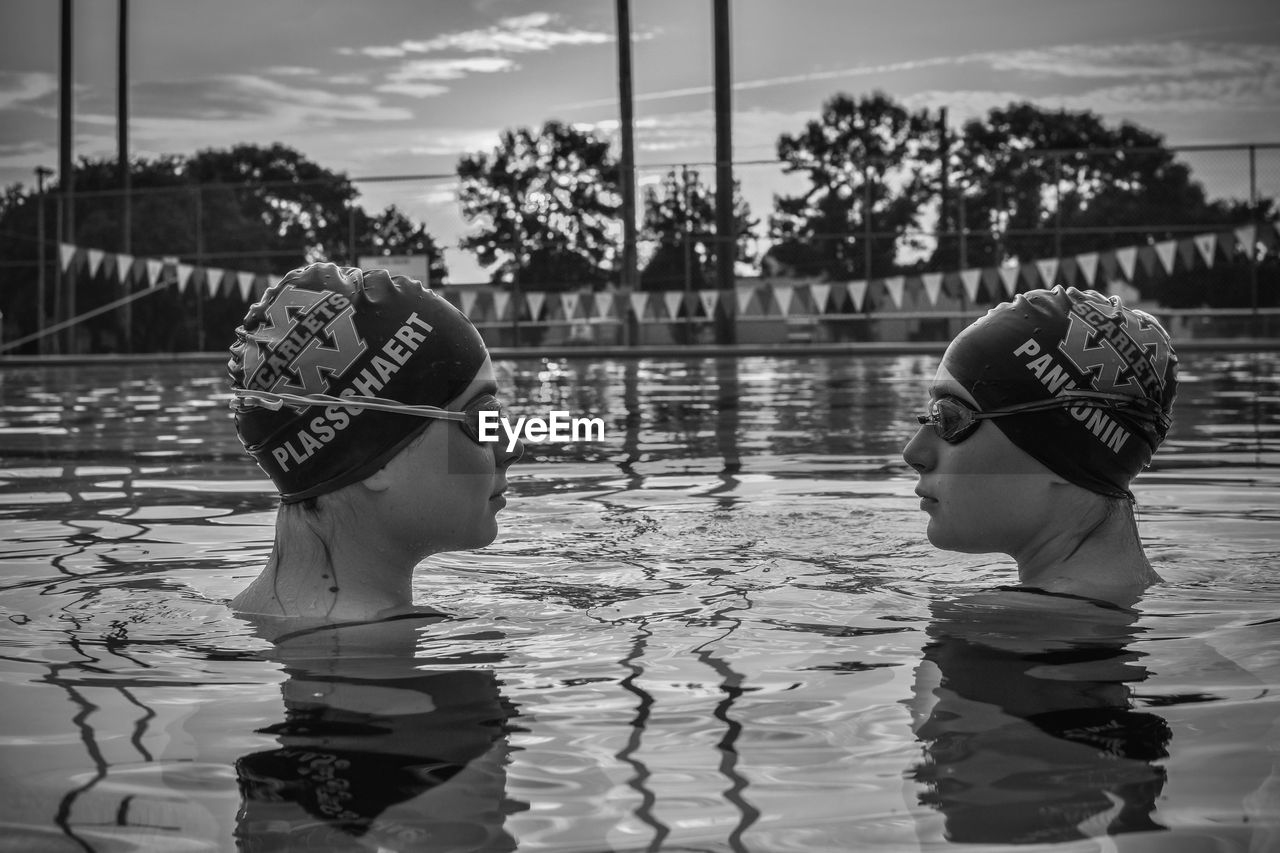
522,34
1141,59
246,96
16,89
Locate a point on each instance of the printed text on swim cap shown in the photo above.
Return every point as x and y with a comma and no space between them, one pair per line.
324,428
1055,378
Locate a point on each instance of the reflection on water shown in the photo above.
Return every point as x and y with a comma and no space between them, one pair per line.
720,629
378,747
1032,736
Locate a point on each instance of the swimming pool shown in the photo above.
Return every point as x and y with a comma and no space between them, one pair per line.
721,629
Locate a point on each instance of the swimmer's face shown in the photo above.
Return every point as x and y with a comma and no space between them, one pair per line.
444,490
983,494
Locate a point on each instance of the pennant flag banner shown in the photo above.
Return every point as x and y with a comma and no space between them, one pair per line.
783,293
1009,277
638,301
501,299
604,305
467,298
569,302
820,294
1048,271
857,292
932,286
751,297
673,298
535,300
709,299
894,285
1126,258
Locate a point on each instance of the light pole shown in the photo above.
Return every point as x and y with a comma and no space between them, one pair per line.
41,173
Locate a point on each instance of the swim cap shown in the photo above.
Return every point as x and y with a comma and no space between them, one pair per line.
340,331
1048,341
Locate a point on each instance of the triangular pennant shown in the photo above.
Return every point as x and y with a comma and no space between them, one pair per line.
1147,257
467,297
820,293
1207,245
124,267
154,268
1009,278
501,299
1108,265
1048,270
743,299
638,302
673,300
1187,251
184,276
213,280
1126,257
244,282
604,304
569,302
932,286
857,293
95,260
536,298
1088,263
783,293
709,299
894,285
1165,250
1247,237
970,279
66,252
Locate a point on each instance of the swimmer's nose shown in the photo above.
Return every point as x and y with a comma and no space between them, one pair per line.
506,457
919,452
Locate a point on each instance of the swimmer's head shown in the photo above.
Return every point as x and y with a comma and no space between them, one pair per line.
340,331
1048,341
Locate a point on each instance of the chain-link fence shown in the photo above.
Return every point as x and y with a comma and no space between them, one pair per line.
889,253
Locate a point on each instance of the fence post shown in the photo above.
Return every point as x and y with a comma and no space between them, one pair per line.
1253,249
866,222
200,263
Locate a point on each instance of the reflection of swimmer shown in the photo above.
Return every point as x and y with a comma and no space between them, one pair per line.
376,749
1032,736
1079,390
360,393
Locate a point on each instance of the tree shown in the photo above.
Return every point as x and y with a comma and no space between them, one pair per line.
866,161
547,206
679,216
392,232
262,210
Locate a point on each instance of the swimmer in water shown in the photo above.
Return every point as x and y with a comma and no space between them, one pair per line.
360,394
1079,390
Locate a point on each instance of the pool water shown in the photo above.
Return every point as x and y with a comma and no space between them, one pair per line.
720,629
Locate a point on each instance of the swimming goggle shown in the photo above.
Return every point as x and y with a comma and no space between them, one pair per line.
954,420
468,418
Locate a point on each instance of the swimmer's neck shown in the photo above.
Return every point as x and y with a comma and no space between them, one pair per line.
1104,560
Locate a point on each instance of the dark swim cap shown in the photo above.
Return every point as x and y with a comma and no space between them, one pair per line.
1047,341
339,331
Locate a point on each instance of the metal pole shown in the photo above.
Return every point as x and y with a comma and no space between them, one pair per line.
688,253
1253,250
1057,209
726,237
126,179
41,174
200,263
866,222
628,176
66,178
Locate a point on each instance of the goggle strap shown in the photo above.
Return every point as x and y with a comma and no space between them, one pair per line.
246,398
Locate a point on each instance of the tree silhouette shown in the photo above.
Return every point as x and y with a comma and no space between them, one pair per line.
866,162
546,204
679,216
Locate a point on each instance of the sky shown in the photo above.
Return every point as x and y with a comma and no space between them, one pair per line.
407,87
